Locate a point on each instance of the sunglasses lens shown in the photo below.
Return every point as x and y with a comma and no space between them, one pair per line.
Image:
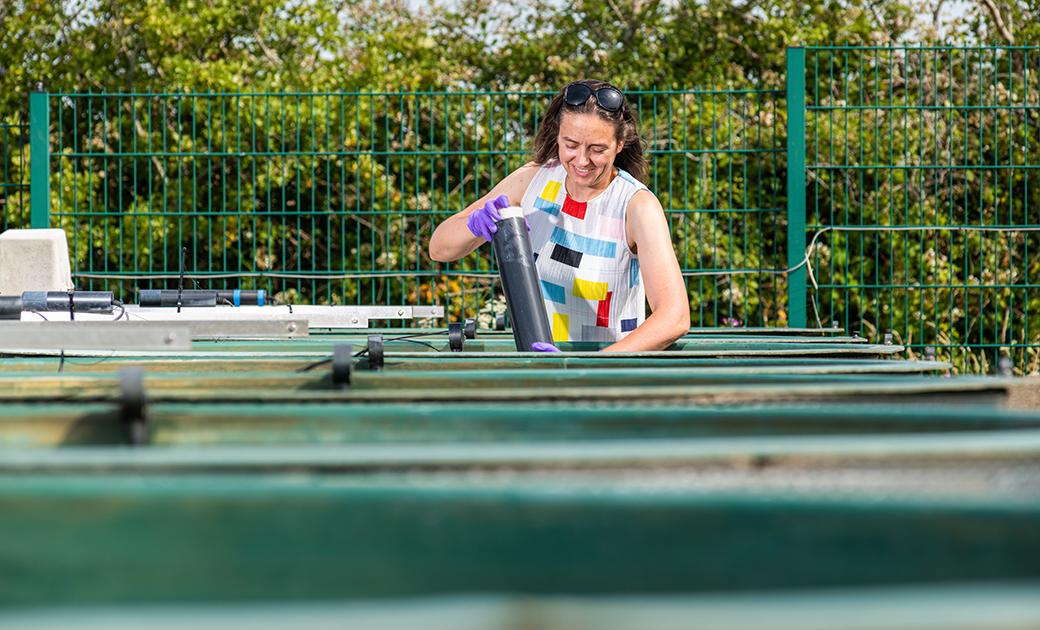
609,99
576,94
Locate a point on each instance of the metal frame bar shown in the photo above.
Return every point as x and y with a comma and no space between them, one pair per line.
28,337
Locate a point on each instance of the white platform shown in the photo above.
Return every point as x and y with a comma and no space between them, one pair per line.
34,260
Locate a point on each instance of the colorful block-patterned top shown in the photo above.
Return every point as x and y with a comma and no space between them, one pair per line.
590,278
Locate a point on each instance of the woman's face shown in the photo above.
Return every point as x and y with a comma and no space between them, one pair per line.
587,149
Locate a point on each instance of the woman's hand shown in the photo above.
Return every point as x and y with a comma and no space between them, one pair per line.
483,222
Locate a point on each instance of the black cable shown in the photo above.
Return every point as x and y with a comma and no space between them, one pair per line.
412,336
422,343
122,310
70,361
308,368
408,338
317,364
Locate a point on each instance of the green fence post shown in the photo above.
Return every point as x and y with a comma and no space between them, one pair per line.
39,160
796,186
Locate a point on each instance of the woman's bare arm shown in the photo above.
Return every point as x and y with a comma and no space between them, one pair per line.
452,240
662,278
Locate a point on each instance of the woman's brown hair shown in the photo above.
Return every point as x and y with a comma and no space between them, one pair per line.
626,130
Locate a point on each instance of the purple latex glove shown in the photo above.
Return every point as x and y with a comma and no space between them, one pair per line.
541,346
482,222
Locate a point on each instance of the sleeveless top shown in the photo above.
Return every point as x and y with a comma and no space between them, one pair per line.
590,278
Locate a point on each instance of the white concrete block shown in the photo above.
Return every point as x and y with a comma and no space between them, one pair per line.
34,260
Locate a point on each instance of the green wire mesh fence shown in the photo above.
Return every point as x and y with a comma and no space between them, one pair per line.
924,199
14,173
332,197
919,211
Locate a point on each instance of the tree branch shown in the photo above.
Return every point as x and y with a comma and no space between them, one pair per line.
937,14
1005,31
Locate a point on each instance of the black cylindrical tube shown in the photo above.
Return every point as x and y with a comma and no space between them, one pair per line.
170,297
200,297
78,301
11,307
516,267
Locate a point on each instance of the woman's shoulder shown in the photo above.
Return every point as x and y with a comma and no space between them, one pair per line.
627,179
523,174
529,171
515,184
629,192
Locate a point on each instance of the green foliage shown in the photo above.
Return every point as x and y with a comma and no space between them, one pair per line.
925,137
312,146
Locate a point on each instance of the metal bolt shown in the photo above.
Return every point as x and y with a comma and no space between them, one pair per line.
292,327
400,312
169,338
353,320
834,323
888,339
929,353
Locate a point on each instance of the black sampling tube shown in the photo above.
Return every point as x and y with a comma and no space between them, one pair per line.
516,267
170,297
11,307
200,297
69,301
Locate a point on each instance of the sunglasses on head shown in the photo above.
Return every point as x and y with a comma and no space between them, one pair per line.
608,97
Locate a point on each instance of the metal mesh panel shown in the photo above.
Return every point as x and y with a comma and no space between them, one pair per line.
923,164
332,197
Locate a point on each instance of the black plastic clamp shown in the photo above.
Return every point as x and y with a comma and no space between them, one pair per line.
342,365
500,321
470,328
132,407
456,337
375,352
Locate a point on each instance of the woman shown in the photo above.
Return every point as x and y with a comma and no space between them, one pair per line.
599,235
